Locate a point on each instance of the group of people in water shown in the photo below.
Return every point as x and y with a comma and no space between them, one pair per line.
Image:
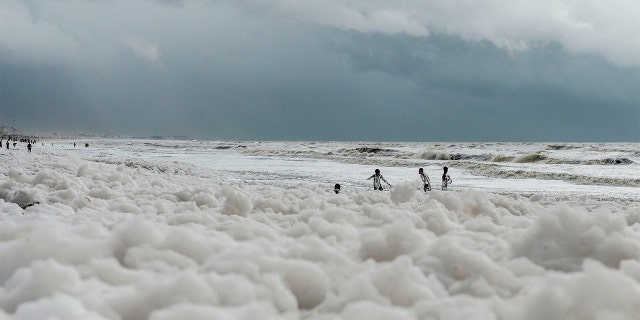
30,142
15,140
378,178
446,180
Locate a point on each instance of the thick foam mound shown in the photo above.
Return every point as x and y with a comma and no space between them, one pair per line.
109,241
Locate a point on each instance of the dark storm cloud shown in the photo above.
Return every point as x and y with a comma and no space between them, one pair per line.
481,90
248,70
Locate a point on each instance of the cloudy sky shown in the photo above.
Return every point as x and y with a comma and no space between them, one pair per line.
413,70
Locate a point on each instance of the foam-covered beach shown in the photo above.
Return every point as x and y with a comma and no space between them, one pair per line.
91,234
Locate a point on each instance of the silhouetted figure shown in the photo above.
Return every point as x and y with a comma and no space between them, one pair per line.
7,144
377,185
336,188
425,180
446,179
29,146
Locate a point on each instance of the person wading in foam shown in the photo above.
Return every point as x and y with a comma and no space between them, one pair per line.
425,180
446,179
377,185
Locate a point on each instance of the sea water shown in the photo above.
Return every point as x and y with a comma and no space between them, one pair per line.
599,169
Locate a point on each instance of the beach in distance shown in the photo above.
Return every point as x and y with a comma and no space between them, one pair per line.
186,229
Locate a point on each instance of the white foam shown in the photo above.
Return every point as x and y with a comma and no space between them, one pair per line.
168,240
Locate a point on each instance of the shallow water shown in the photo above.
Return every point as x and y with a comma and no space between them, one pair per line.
531,167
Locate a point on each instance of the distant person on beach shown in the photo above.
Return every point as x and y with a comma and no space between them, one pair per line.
7,144
336,188
29,146
425,180
377,185
446,179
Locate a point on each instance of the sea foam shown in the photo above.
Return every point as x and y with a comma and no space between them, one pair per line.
168,241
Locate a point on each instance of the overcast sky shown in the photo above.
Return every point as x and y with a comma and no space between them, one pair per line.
368,70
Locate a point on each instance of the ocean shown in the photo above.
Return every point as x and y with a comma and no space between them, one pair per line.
163,229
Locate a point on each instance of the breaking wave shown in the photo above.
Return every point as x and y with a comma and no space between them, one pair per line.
435,155
617,161
535,157
440,155
366,150
503,158
497,171
560,147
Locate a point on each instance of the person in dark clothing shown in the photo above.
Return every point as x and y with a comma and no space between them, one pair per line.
425,180
377,177
446,179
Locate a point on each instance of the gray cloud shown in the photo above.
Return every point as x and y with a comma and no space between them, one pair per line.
480,90
594,27
316,71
